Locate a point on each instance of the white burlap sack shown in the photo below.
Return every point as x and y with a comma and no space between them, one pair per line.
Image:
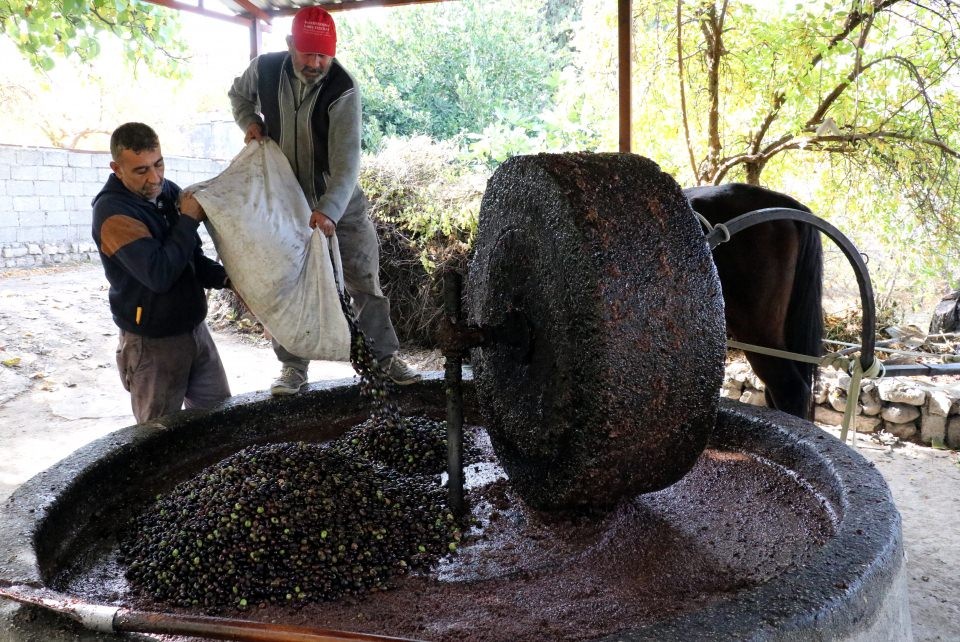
258,219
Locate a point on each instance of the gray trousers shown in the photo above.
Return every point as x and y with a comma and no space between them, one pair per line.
163,375
360,255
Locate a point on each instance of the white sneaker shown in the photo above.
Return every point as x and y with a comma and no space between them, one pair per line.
399,371
289,382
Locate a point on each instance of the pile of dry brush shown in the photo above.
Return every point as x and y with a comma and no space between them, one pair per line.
424,205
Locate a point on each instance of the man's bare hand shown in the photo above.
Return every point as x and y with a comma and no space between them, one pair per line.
320,220
254,132
189,206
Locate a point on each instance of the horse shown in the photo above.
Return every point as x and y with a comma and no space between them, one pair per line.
772,280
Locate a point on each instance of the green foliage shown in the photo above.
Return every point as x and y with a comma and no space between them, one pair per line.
856,114
446,69
421,188
47,30
882,79
562,127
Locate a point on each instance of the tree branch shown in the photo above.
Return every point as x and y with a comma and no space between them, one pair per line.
843,143
854,19
927,102
880,135
858,68
824,106
109,24
778,101
683,93
713,31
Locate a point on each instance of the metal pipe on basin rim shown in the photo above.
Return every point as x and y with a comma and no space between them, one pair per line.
112,619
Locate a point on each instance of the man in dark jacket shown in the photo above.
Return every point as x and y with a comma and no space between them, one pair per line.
146,232
310,105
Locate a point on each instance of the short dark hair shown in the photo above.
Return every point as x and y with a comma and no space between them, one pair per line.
136,137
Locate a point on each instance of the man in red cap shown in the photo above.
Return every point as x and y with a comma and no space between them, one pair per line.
310,105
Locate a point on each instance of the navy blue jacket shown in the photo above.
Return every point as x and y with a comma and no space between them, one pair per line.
153,259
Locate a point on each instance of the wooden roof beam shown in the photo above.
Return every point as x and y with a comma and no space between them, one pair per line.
207,13
358,4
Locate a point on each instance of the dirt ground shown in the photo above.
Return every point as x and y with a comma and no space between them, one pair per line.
59,390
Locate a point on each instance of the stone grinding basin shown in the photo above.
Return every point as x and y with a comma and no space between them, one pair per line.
778,532
708,520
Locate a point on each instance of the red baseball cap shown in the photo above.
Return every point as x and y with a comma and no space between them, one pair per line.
314,32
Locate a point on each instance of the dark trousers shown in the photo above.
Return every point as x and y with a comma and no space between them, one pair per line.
165,374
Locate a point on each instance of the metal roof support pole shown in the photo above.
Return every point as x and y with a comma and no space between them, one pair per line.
256,38
624,29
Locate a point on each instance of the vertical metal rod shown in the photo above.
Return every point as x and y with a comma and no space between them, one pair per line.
256,37
453,375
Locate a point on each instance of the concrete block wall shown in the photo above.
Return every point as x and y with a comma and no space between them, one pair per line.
45,195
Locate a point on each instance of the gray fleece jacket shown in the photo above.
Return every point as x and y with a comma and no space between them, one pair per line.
295,102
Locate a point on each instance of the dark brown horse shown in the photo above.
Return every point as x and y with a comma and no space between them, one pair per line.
772,275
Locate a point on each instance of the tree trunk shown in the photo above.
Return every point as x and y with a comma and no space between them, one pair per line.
712,27
753,170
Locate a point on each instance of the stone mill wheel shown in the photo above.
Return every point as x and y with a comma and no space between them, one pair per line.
603,378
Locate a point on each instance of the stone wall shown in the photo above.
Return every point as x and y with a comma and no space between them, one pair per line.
45,195
920,409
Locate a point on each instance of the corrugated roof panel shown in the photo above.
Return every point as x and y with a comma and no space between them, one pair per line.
287,7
